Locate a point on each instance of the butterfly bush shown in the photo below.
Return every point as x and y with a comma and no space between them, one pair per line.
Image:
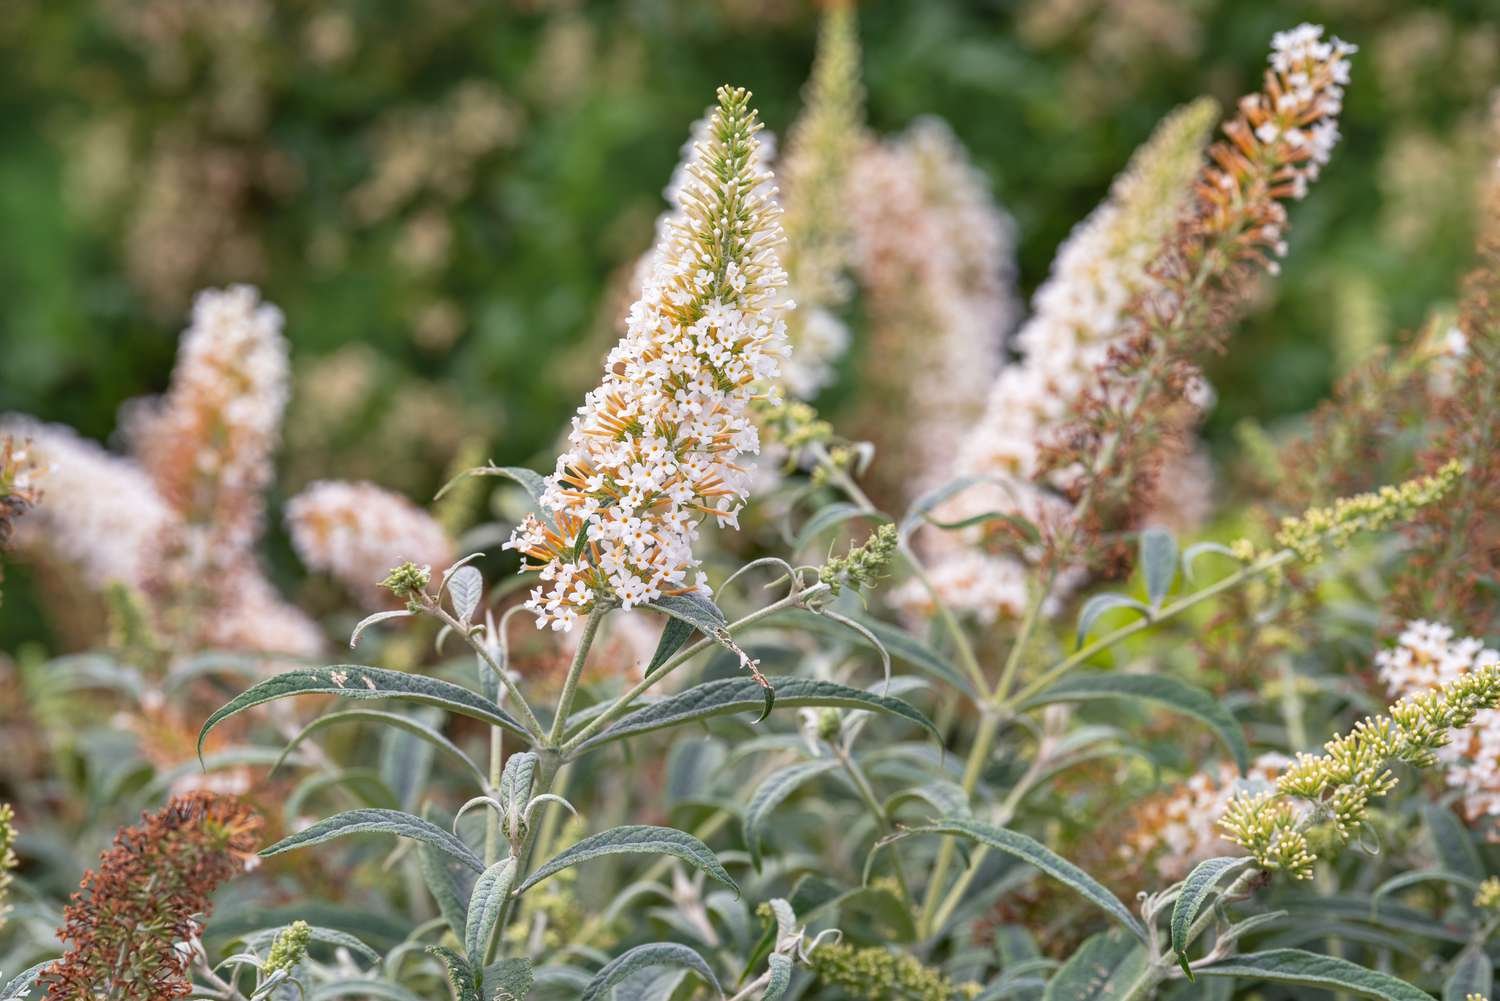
1427,655
654,449
933,255
357,531
1077,315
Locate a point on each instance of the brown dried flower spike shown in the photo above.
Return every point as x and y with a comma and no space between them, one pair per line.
131,918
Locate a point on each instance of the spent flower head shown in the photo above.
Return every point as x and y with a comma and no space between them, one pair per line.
655,449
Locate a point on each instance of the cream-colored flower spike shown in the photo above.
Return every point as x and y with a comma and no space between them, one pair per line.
654,449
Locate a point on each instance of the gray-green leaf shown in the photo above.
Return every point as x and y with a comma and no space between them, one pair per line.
643,956
1473,973
1195,890
355,681
635,840
735,695
1034,853
22,983
1104,968
395,822
465,588
769,794
1158,563
780,979
509,980
1308,969
407,723
491,890
1101,603
1164,691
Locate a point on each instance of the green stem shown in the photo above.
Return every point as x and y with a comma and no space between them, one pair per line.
492,823
575,671
1023,636
622,704
872,802
979,753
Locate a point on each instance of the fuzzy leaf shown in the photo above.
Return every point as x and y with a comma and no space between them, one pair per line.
769,794
363,989
643,956
674,635
445,881
899,643
699,611
1101,603
1156,688
403,825
1158,563
735,695
21,984
355,681
1308,969
1451,842
407,723
1473,973
635,839
1195,890
465,588
515,783
370,620
508,980
1197,549
1104,968
491,890
1034,853
781,977
533,482
828,517
460,974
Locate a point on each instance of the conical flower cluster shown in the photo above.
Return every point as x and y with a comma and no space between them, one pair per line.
655,448
933,253
814,174
357,531
1078,314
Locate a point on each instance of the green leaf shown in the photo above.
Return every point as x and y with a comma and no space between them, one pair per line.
1197,549
735,695
21,984
460,974
917,513
445,881
465,588
372,619
1451,842
636,839
1195,891
1104,968
644,956
1026,530
769,794
828,517
702,614
899,643
407,723
508,980
781,977
1101,603
1417,876
1036,854
533,482
1158,563
674,635
394,822
1473,973
355,681
1308,969
516,782
491,890
1168,692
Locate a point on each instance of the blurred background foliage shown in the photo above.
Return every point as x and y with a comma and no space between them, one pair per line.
445,197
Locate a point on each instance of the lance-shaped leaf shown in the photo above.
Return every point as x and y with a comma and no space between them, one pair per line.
1101,603
699,611
395,822
642,957
1308,969
446,879
1473,973
638,839
769,794
736,695
1195,891
465,588
1167,692
372,619
674,635
491,890
780,979
461,975
509,980
829,517
516,782
899,643
1104,968
21,985
407,723
355,681
531,481
362,988
1036,854
1158,563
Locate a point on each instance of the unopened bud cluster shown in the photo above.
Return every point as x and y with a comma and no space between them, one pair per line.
1337,524
864,564
1330,793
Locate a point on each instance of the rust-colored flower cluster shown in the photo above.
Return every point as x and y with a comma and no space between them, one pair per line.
1149,393
132,925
